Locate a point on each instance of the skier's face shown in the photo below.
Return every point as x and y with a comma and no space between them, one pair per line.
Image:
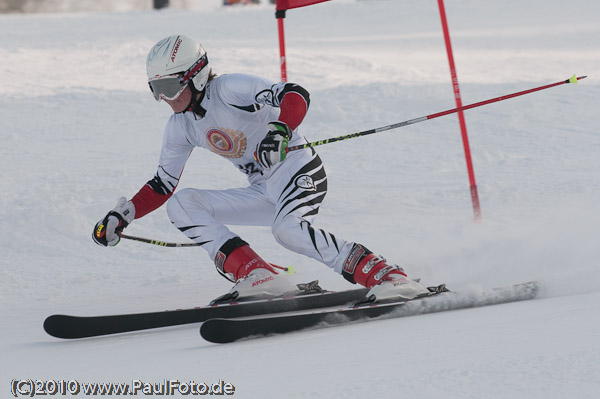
181,103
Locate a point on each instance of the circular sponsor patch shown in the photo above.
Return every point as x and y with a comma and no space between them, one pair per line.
227,143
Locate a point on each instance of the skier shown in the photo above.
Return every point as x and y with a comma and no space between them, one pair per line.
250,121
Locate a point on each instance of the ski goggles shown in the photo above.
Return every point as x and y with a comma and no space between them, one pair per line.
170,87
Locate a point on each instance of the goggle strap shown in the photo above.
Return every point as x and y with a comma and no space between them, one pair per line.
193,70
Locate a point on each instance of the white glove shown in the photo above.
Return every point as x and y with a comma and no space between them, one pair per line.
107,231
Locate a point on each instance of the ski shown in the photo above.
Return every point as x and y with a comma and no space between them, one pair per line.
231,330
71,327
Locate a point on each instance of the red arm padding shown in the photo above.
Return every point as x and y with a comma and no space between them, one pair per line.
293,109
148,200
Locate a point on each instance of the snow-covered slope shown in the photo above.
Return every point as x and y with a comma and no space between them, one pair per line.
79,128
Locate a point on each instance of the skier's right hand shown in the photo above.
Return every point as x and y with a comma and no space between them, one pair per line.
107,231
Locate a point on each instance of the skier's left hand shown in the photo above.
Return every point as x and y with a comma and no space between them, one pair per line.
273,148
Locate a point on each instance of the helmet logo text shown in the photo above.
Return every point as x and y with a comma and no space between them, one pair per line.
175,49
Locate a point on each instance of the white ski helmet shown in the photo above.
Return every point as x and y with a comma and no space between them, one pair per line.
172,63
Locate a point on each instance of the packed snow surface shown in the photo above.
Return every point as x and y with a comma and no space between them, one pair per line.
79,129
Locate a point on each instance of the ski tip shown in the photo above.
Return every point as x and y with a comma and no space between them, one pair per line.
53,327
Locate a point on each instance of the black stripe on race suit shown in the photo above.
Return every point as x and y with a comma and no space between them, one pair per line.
160,186
331,236
334,241
194,238
186,228
311,212
319,181
311,168
313,236
157,185
313,202
313,197
248,108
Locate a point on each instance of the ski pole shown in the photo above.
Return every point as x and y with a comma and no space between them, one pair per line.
288,270
572,79
160,243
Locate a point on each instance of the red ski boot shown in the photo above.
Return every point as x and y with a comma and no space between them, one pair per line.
385,281
253,276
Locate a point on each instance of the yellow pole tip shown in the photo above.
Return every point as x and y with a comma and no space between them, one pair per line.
573,79
290,270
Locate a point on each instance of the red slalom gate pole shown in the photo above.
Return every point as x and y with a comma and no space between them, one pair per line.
461,117
280,15
281,6
572,79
